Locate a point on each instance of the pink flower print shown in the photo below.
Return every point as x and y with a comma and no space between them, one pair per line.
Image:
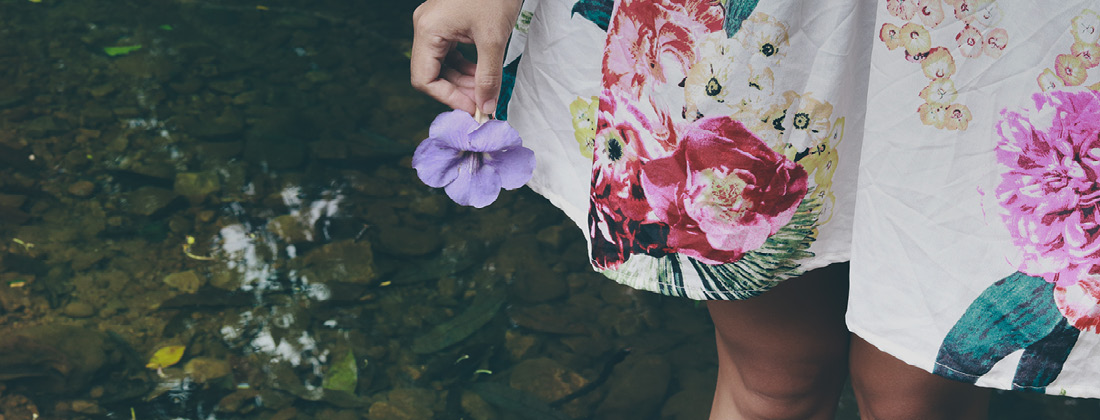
1071,69
1088,53
904,9
1080,303
970,41
890,34
938,64
1049,81
647,39
1050,192
995,42
723,192
1086,27
916,39
617,159
931,12
957,117
940,92
933,115
966,9
634,55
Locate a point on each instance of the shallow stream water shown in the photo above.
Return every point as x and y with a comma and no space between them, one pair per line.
207,212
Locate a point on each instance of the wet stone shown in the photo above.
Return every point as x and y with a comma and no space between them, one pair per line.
78,310
403,404
477,408
546,378
290,228
638,387
227,86
206,369
145,201
82,189
346,261
403,241
275,152
185,281
197,185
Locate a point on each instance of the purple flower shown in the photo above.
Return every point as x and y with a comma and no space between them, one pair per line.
472,161
1051,190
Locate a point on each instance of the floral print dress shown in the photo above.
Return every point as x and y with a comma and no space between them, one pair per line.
950,149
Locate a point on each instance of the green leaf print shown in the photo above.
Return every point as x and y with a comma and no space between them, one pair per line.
736,12
597,11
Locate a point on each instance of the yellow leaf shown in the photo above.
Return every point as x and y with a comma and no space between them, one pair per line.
165,356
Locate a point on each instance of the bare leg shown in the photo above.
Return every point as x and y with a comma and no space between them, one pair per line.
889,389
783,354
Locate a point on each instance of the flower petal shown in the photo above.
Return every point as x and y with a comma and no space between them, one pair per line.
514,165
474,186
436,162
494,135
454,127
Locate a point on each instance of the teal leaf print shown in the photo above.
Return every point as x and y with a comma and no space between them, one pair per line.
507,83
1017,312
597,11
736,12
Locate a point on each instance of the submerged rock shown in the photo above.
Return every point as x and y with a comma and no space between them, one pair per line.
52,359
197,185
638,388
146,201
345,261
546,378
185,281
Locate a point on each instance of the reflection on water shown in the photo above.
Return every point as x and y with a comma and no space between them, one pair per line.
207,211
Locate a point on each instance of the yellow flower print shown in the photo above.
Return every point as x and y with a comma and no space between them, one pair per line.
1086,27
706,86
1071,69
765,35
940,92
1050,81
933,115
938,64
769,125
803,124
957,117
916,39
930,12
890,34
821,163
584,122
1088,53
753,101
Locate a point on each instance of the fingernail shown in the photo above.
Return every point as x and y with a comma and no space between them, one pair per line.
489,107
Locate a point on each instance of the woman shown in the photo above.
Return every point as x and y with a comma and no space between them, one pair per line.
741,152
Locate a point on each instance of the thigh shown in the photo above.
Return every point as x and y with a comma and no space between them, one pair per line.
783,354
889,389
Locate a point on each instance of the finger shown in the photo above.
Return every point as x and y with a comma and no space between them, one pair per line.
459,62
426,68
459,79
490,67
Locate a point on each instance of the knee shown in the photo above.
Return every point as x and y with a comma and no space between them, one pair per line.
809,393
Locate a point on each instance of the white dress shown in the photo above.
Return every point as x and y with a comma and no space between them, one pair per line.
949,148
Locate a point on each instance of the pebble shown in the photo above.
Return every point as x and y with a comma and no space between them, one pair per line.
78,310
82,189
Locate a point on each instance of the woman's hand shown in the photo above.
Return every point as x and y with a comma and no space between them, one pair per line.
441,71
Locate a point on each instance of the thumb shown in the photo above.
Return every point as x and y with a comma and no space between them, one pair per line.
490,68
